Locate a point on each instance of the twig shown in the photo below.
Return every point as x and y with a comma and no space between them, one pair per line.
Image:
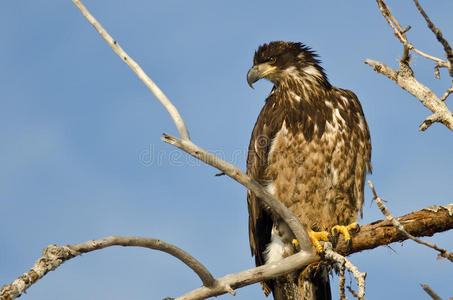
442,252
232,171
430,120
447,93
359,276
179,122
439,36
442,63
405,79
53,256
352,291
394,24
400,33
430,292
341,282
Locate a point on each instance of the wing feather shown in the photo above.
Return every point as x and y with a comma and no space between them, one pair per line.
267,125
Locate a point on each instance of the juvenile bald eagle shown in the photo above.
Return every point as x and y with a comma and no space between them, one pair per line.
311,149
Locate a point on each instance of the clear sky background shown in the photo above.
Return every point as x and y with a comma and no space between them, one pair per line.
81,156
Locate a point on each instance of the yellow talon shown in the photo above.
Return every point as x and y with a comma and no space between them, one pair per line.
316,236
295,243
345,231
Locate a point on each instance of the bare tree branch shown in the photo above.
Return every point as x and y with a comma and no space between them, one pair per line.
359,276
247,277
443,253
400,33
342,281
430,292
447,93
439,36
179,122
155,244
53,256
352,292
424,222
232,171
404,77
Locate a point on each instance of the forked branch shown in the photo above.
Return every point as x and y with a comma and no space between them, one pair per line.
405,78
438,33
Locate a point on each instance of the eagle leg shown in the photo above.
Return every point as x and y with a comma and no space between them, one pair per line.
317,236
345,230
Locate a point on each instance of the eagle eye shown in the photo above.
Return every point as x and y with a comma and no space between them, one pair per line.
272,59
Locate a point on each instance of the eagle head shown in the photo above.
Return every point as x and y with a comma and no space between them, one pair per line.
279,61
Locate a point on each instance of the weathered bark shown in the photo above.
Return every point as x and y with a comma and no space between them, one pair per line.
425,222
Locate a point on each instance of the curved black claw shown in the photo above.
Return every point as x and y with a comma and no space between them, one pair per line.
335,232
349,244
357,229
333,239
335,236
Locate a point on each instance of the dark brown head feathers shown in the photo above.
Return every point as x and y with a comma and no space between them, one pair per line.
281,49
288,57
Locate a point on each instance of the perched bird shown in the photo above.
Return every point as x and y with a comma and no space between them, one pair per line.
310,148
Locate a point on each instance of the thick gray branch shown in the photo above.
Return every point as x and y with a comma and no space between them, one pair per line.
154,244
53,256
247,277
230,170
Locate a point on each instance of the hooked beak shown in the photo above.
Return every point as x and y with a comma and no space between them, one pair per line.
259,71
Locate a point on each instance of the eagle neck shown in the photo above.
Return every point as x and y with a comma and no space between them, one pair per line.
296,88
304,104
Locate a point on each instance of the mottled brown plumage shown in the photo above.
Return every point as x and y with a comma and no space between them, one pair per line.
310,148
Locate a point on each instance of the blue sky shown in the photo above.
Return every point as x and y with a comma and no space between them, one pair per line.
81,156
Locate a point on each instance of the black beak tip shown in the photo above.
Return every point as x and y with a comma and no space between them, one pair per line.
252,76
